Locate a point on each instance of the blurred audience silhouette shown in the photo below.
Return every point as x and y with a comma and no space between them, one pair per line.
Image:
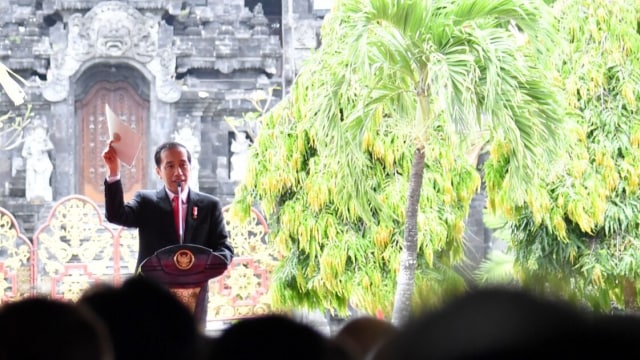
145,320
39,328
506,323
275,336
363,335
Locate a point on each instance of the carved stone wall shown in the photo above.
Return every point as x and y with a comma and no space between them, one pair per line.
200,60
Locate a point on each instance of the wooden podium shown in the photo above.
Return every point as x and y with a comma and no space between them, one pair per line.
186,270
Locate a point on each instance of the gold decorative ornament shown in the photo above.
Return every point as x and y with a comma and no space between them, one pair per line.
76,248
188,296
184,259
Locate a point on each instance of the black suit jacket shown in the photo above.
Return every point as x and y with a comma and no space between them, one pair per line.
150,211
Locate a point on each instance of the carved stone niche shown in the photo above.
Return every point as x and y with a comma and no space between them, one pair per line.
112,30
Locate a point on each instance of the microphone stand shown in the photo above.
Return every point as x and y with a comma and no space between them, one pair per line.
181,222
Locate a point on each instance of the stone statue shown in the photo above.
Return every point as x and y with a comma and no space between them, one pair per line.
240,156
185,135
38,165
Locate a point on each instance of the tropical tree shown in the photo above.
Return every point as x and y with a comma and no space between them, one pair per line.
460,61
580,236
361,168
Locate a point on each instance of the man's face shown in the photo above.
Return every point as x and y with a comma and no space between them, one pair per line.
174,168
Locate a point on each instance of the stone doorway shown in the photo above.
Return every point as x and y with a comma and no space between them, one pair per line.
133,110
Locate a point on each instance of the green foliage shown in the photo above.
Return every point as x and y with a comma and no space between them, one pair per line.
330,166
337,215
497,268
579,235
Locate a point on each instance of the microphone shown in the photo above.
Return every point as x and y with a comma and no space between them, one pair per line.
181,227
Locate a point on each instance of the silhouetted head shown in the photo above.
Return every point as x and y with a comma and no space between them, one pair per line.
273,337
489,323
364,335
42,328
145,320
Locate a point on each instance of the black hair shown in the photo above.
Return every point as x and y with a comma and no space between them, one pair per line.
166,146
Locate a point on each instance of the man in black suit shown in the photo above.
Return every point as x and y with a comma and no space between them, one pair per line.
151,211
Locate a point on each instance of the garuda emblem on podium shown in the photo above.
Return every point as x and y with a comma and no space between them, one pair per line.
184,259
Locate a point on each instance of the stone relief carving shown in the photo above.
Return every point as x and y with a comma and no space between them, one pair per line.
112,29
38,164
306,36
80,45
240,156
162,66
57,86
260,22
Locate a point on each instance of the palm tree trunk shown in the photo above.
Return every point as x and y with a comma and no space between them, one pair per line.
408,256
630,292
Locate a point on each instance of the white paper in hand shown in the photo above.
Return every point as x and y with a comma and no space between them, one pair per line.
129,145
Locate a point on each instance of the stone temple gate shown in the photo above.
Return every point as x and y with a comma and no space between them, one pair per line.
170,69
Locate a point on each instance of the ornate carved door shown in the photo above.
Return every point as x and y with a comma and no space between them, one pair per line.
133,110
